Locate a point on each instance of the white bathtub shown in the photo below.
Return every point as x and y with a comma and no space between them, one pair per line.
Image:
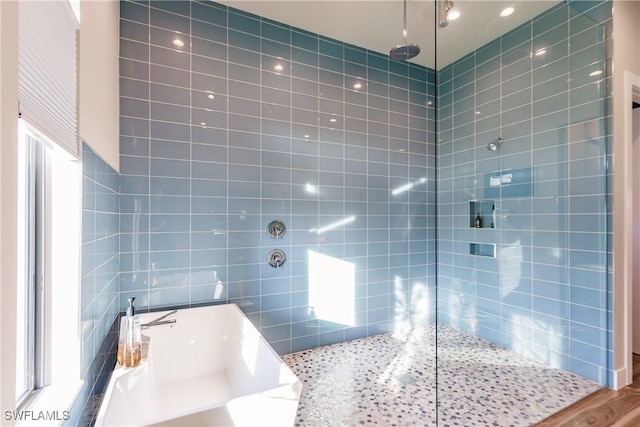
210,368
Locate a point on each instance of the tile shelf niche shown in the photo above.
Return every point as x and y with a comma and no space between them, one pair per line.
483,209
483,249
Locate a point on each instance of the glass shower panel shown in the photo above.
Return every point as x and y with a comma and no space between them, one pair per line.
295,111
521,128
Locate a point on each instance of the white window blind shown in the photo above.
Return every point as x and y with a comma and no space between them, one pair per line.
47,70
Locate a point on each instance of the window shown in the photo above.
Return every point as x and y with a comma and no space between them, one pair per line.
48,333
29,172
48,327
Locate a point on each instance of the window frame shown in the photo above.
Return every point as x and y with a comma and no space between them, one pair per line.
44,388
30,231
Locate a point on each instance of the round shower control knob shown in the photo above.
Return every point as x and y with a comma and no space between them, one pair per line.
276,229
276,258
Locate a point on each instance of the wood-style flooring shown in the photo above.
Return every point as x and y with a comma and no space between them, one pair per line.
605,407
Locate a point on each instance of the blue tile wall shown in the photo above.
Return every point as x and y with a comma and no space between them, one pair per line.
230,121
100,251
541,87
100,279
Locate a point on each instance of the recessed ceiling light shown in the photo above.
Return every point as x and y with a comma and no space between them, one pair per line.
178,42
306,136
278,67
357,86
203,124
507,11
211,96
333,120
595,73
541,51
454,14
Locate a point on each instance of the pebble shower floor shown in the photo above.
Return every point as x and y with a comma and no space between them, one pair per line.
390,380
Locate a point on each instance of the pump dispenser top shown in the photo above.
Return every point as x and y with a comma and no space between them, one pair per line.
131,311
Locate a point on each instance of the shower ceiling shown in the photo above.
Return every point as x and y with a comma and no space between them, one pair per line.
374,24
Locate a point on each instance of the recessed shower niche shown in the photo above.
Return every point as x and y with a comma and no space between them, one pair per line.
482,214
483,249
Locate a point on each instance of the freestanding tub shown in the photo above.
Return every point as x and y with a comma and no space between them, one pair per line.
210,368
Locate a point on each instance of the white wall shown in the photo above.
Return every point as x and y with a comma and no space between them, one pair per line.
98,104
98,126
635,310
8,201
626,57
636,221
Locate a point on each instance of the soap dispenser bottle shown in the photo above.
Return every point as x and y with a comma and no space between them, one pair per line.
478,221
130,338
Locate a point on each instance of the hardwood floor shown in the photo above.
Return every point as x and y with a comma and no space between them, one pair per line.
605,407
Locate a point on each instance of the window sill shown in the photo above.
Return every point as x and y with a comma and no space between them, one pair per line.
50,405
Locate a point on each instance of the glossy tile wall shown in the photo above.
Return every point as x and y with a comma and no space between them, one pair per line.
230,121
541,88
100,283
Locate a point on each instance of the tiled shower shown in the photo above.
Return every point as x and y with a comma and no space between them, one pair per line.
541,88
230,121
249,121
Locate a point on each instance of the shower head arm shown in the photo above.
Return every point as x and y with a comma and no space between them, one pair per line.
404,23
444,8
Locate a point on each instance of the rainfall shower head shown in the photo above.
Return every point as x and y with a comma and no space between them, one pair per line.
406,51
493,145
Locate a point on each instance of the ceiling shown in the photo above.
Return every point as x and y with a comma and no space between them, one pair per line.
377,24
